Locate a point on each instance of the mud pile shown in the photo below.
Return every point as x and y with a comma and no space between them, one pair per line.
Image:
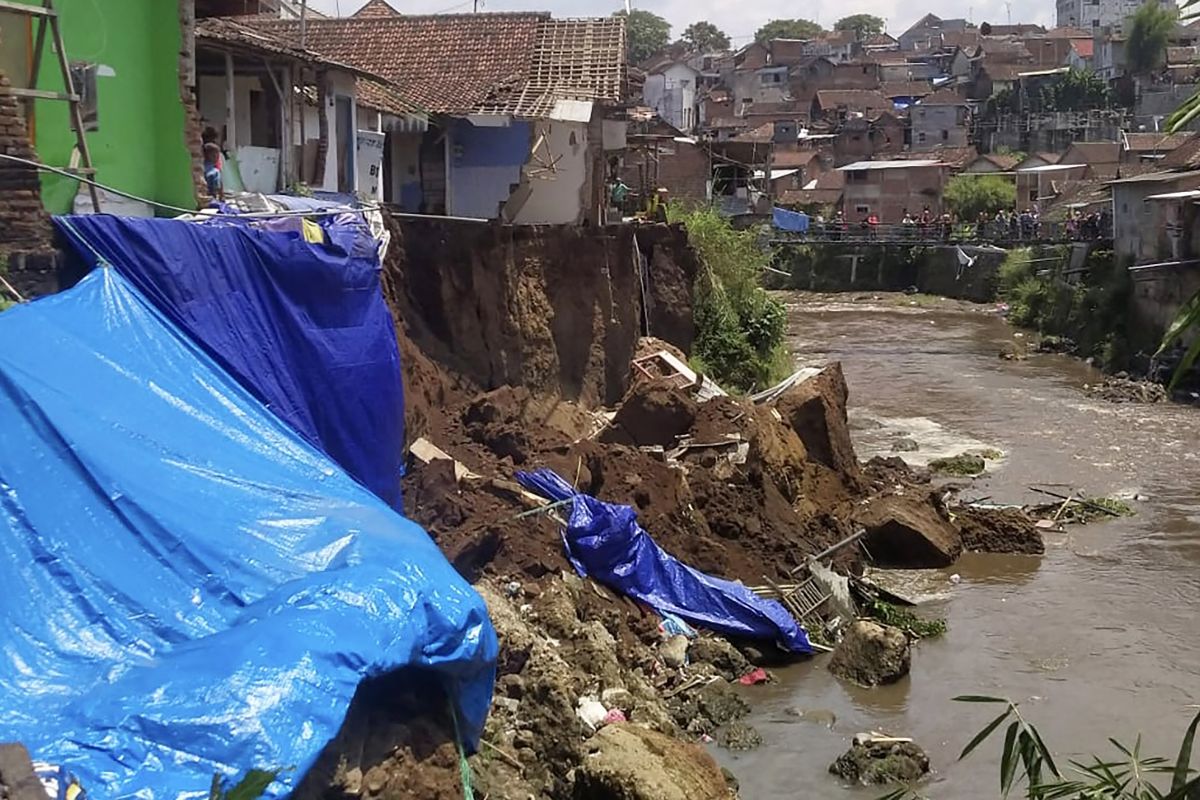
518,350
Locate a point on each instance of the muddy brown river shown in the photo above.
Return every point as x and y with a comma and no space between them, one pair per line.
1099,637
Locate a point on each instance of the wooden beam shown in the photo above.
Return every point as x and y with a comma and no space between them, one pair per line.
21,8
41,94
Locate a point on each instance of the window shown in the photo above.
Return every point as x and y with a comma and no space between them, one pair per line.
856,176
920,137
945,136
771,78
83,78
685,83
862,209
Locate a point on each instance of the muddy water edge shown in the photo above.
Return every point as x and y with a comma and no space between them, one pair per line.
1096,638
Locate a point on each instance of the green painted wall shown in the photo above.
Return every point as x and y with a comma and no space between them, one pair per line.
139,147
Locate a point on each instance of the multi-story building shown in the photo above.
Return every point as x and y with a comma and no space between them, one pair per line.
1092,14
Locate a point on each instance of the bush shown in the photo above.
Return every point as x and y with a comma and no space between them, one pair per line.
968,195
739,327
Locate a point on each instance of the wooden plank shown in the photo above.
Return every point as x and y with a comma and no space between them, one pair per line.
21,8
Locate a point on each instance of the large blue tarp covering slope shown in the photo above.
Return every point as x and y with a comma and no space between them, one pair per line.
186,585
303,326
604,542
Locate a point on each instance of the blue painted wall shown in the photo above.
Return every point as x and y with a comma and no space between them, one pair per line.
485,163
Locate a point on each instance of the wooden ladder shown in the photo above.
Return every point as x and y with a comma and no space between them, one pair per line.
47,16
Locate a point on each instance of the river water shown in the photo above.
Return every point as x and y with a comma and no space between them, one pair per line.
1099,637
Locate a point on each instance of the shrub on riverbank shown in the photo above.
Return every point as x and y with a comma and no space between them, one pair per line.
739,327
1092,311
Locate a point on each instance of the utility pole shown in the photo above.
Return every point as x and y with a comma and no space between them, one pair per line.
303,21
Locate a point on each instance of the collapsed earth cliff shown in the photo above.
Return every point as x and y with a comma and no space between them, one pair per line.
519,347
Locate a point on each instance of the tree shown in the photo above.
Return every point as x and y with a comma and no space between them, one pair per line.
985,29
1149,29
788,29
704,37
967,195
863,25
647,34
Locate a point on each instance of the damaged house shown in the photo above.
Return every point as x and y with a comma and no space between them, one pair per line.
517,104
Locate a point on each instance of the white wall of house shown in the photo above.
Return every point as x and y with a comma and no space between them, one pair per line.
557,174
672,93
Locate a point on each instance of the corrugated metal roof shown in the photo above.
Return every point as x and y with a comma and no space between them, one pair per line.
860,165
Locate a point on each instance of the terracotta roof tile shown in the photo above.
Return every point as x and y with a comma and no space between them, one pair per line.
1154,142
793,158
854,99
1185,156
516,63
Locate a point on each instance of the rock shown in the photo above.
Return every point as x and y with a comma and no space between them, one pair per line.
674,651
739,736
963,464
513,686
731,780
998,530
375,780
871,654
624,762
720,703
352,781
1120,389
816,410
618,698
905,445
652,413
909,531
883,762
723,656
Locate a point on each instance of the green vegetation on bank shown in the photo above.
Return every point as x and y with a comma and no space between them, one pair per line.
739,327
905,620
1093,311
968,195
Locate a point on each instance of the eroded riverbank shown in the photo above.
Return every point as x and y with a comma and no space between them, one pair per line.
1095,637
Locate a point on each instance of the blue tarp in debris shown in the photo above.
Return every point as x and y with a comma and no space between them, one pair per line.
186,585
604,542
303,326
790,220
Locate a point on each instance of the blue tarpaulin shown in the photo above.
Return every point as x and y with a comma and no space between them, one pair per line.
789,220
604,542
186,585
303,326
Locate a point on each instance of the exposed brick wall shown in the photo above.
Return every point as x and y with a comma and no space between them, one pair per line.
187,96
26,235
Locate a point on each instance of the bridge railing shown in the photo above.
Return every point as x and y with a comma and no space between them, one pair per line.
1042,232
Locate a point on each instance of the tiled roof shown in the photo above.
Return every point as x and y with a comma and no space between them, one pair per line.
1154,142
1093,153
806,197
517,63
907,89
1002,161
944,97
1185,156
853,99
375,9
793,158
1084,48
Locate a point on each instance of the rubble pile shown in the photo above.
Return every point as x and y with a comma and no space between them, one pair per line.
596,695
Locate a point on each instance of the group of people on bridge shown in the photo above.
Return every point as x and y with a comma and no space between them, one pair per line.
1005,226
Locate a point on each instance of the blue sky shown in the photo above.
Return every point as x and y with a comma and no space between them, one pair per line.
738,18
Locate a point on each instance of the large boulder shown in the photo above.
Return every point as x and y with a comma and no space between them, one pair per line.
909,532
872,761
625,762
816,410
871,654
998,530
653,413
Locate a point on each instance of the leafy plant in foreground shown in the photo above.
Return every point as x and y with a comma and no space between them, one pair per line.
1130,775
250,787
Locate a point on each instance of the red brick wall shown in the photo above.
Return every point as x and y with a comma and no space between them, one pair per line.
684,173
26,235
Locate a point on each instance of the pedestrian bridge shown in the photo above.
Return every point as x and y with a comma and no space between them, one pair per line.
994,234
